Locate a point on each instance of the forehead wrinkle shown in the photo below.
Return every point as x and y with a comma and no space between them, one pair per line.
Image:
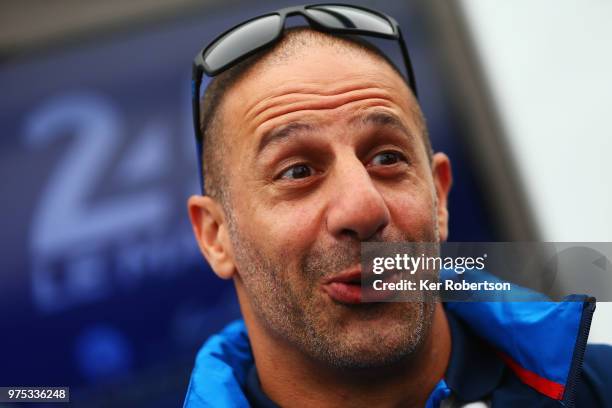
308,104
291,92
297,113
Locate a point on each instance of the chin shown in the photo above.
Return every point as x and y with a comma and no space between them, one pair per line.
389,336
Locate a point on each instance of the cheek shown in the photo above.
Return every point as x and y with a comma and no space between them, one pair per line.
413,213
288,230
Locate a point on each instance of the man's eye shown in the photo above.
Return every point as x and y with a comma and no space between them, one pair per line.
298,171
387,158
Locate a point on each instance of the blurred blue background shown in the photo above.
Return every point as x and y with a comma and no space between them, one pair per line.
102,287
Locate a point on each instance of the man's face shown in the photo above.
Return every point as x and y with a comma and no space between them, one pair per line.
325,152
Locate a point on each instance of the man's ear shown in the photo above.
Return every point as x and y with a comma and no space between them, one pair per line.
443,179
211,232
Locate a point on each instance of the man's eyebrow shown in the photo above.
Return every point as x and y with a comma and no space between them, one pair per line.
282,132
383,119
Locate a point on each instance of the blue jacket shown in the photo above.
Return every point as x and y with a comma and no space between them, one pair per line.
525,354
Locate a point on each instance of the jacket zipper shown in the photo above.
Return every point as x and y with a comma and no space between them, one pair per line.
579,350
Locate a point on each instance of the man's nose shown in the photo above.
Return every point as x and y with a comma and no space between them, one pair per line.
357,208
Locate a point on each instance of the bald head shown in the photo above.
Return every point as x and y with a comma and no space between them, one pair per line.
296,44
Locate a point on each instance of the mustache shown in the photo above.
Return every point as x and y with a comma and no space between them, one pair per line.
322,263
325,262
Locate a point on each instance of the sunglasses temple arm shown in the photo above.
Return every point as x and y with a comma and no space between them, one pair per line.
196,83
409,68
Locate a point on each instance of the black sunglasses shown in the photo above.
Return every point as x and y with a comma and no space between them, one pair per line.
249,37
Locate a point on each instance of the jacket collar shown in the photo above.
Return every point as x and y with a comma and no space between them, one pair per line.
518,332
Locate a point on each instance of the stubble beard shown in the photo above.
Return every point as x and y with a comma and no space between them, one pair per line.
303,318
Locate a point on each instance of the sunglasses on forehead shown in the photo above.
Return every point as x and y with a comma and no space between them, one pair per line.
251,36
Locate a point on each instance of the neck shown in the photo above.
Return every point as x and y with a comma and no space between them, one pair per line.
291,375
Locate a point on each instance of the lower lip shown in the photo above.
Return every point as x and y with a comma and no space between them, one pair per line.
370,295
344,292
355,293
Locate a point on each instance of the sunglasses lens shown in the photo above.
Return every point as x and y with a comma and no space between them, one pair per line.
343,17
242,40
